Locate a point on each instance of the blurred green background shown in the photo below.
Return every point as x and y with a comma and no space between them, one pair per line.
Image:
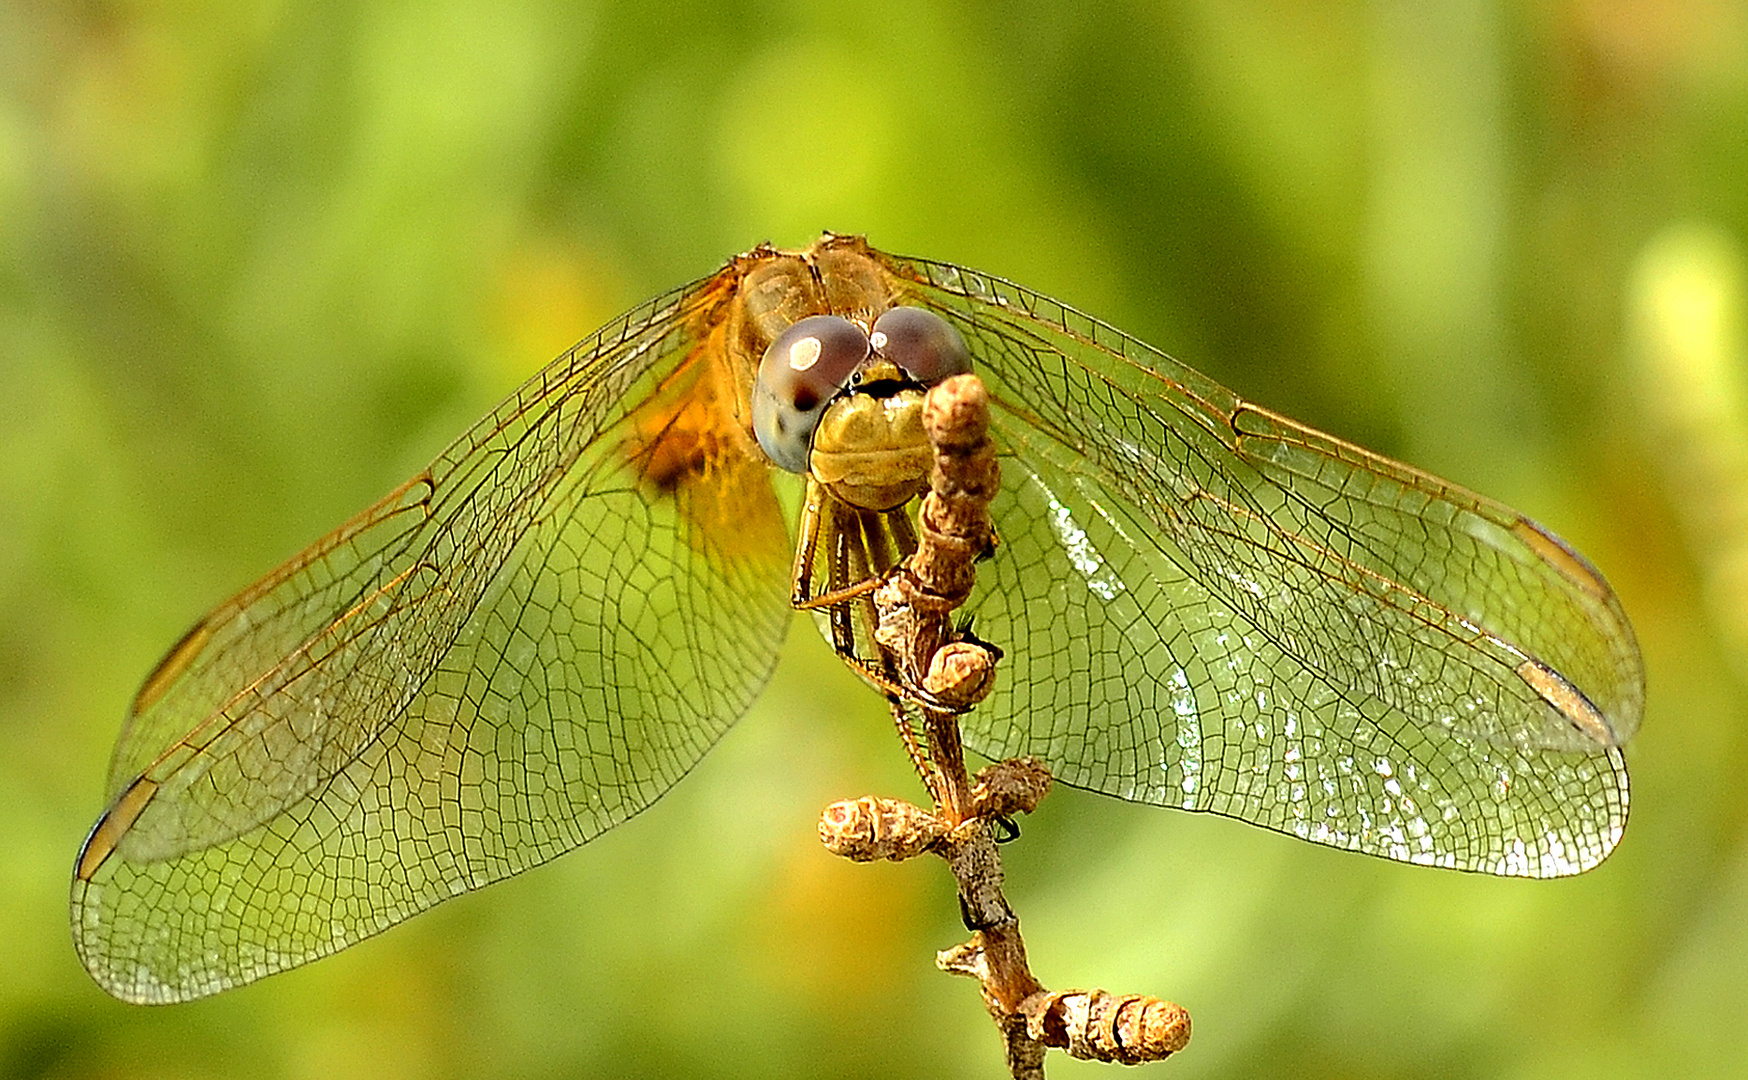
259,260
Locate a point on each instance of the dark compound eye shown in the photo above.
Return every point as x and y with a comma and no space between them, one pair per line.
798,376
921,343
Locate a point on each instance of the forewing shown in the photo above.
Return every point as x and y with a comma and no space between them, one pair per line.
519,649
1209,606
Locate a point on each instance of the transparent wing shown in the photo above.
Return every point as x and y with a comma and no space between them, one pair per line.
1209,606
522,647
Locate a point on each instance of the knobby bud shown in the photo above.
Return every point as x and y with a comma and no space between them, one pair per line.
961,674
1094,1025
873,828
1010,787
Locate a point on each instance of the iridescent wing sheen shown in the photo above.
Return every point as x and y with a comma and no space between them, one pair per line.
522,647
1206,605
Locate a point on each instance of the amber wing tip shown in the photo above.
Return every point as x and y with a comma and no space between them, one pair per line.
107,834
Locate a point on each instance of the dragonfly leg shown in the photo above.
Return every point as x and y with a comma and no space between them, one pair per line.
812,513
836,597
917,747
884,540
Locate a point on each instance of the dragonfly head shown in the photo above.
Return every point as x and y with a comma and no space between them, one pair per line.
845,404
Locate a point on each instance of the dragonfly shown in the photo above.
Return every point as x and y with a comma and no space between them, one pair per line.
1200,604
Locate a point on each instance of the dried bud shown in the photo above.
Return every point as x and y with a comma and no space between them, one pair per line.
956,413
1097,1026
961,674
1010,787
872,828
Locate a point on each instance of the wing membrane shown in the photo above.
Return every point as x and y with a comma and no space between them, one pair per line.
1203,604
1212,607
525,645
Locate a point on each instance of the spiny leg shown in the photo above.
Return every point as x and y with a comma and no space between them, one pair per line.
858,550
917,748
813,512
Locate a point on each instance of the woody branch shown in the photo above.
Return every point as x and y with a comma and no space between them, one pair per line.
949,671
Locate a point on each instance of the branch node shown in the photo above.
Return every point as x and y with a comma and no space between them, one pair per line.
1006,788
964,959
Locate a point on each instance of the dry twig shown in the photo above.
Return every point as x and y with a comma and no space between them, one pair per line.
949,671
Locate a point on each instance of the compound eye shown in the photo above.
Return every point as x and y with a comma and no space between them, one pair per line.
922,343
800,373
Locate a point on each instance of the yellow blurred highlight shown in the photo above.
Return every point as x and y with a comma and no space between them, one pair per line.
1686,40
548,295
1686,329
837,932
